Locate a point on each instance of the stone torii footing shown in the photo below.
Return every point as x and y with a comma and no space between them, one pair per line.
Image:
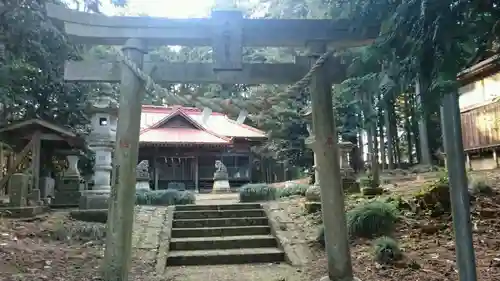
227,32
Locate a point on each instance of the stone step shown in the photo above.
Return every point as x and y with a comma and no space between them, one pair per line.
218,222
204,214
239,206
228,256
222,243
221,231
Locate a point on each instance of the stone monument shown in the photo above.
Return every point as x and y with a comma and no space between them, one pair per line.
142,175
104,114
221,178
68,184
22,203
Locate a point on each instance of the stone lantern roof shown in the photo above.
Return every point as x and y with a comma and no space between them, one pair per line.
104,101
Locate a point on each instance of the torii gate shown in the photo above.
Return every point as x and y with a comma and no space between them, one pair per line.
227,32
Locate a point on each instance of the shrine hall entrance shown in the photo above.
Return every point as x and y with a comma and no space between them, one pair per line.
175,172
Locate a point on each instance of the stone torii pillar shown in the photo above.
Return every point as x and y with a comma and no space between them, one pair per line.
117,256
326,149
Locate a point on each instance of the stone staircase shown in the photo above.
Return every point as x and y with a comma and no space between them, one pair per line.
222,234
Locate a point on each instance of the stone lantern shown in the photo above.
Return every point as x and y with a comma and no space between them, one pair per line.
313,193
103,111
349,182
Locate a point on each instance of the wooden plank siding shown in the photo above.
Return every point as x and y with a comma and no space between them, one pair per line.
481,127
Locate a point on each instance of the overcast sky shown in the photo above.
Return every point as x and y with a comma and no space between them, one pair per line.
163,8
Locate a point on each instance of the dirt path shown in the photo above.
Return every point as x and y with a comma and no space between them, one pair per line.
255,272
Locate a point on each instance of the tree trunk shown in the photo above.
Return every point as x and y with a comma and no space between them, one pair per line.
407,111
394,134
361,147
382,124
421,88
372,140
390,135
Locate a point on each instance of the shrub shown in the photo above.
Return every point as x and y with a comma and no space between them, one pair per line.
78,232
293,189
97,215
257,192
165,197
368,220
386,250
371,219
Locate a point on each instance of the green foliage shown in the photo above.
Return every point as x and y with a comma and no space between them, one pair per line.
165,197
435,197
371,219
293,189
386,250
372,191
368,220
257,192
82,232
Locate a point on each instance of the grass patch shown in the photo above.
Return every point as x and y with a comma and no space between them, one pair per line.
294,189
368,220
386,250
166,197
255,192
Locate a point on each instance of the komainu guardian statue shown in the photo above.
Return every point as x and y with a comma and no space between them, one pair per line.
220,171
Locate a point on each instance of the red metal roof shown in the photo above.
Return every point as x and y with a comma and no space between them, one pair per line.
217,129
180,135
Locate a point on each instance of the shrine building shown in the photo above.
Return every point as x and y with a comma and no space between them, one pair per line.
183,143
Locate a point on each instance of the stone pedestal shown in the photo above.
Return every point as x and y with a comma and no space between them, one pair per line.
67,191
94,199
142,176
221,182
221,186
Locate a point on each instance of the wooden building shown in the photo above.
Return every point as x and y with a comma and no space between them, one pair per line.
182,145
480,112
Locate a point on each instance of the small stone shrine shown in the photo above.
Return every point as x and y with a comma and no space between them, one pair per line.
104,113
22,202
221,178
30,177
142,176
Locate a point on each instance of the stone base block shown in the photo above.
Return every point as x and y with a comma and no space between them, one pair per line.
350,185
66,199
312,207
221,186
23,212
142,186
68,191
92,201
